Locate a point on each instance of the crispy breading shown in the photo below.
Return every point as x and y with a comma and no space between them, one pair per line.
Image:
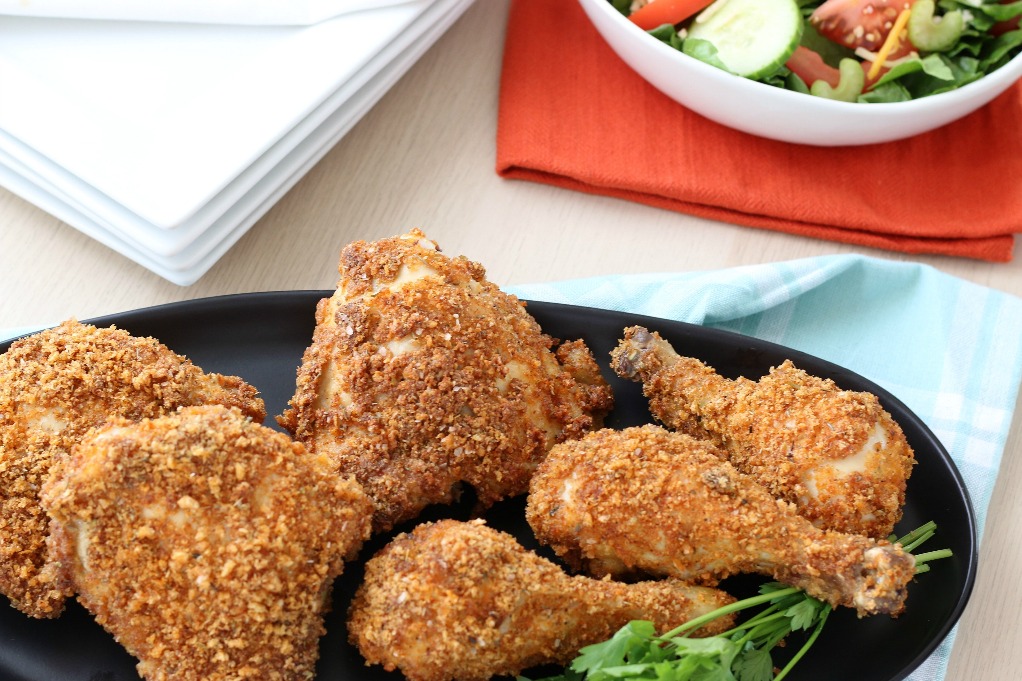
423,375
836,454
56,385
453,600
650,500
205,543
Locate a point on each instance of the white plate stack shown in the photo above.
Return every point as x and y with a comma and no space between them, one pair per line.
166,139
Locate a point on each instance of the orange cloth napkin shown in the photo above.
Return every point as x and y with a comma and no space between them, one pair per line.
572,114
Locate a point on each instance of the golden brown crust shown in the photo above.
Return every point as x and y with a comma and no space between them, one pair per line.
829,425
56,385
650,500
836,454
454,600
206,544
422,375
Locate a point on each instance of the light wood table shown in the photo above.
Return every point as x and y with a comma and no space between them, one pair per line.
424,156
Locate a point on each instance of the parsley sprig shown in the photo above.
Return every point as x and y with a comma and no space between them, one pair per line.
739,654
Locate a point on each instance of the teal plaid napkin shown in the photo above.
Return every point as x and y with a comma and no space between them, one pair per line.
8,333
949,349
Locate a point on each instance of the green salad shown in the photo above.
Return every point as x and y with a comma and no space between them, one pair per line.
849,50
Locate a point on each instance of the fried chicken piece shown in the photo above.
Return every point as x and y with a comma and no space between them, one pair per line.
56,385
454,600
665,503
204,543
836,454
423,375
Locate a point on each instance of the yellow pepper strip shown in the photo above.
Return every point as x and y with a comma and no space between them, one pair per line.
891,43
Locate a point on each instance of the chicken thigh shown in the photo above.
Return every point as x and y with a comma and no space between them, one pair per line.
649,500
204,543
423,375
56,385
836,454
454,600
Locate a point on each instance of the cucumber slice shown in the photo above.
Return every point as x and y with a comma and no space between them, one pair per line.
753,38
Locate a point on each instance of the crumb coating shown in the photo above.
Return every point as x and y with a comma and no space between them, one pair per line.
206,544
56,385
422,375
648,500
836,454
453,600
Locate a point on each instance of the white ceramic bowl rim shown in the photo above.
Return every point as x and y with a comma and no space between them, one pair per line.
1009,72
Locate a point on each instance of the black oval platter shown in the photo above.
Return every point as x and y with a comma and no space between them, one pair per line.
261,337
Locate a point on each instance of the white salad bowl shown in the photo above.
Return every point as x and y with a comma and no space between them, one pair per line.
780,114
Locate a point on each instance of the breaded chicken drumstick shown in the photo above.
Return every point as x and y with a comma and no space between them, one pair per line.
455,600
650,500
423,375
205,543
836,454
56,385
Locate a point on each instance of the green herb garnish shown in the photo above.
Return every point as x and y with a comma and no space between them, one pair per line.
739,654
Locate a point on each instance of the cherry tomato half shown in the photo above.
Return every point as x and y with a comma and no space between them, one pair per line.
860,23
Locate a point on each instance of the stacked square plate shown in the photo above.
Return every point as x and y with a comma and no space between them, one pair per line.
166,141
